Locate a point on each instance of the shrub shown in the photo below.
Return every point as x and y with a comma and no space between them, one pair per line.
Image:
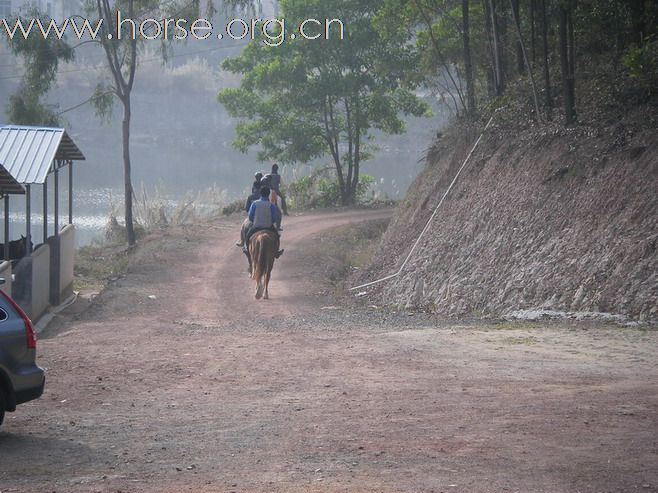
642,65
320,189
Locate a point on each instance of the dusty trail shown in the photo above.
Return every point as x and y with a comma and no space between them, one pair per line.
175,379
219,274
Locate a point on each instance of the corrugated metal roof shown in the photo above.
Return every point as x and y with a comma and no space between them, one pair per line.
28,153
8,184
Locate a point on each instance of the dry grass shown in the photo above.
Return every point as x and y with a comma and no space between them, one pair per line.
342,251
96,265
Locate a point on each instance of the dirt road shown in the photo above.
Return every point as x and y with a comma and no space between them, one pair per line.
175,379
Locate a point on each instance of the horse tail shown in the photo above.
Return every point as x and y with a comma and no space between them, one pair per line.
260,257
256,258
264,247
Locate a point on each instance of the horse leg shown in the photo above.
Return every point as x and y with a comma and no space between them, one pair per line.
259,289
248,260
267,278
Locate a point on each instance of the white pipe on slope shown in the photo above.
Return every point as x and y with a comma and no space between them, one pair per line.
429,221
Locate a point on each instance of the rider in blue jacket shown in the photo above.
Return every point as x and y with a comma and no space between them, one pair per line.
263,214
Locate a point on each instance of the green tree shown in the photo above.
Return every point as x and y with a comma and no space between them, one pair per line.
450,39
305,99
122,60
41,57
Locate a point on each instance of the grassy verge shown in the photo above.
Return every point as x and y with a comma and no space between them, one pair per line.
96,265
340,251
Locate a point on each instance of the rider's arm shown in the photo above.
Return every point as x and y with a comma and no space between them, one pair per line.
252,211
275,214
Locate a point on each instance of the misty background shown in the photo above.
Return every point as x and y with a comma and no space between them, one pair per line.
180,135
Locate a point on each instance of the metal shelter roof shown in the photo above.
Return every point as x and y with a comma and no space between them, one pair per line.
8,184
29,153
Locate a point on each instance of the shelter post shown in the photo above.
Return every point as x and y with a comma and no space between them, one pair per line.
6,227
56,201
28,222
70,193
45,210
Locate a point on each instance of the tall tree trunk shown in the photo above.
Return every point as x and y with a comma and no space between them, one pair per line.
123,82
331,136
491,69
638,17
501,20
516,12
127,182
468,61
446,66
499,83
357,147
571,39
566,65
530,73
533,33
547,75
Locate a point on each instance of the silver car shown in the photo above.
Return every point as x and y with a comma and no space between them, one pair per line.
21,380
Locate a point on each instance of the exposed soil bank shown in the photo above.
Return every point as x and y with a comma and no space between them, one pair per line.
541,218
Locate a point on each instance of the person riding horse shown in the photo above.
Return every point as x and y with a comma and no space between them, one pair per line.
256,186
263,214
273,182
255,194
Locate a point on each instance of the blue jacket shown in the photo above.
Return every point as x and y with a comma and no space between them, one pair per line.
263,213
250,200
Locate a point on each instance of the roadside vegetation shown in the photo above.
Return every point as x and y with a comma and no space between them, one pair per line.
341,252
107,257
321,190
98,264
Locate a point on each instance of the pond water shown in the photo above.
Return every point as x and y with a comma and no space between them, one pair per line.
91,211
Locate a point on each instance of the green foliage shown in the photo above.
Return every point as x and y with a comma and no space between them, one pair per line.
642,64
321,189
25,107
309,98
364,187
41,58
436,26
329,193
103,101
300,193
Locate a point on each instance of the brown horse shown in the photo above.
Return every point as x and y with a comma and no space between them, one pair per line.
263,246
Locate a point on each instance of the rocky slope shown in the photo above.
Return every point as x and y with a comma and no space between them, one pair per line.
542,217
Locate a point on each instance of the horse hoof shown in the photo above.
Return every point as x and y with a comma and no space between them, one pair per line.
259,292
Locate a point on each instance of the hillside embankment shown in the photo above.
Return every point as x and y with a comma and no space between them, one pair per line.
543,217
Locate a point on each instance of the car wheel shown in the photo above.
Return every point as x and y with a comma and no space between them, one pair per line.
2,405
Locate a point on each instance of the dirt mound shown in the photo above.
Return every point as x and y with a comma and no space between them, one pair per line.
541,218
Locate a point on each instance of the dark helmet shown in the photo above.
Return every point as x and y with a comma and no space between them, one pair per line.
258,175
265,192
275,168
